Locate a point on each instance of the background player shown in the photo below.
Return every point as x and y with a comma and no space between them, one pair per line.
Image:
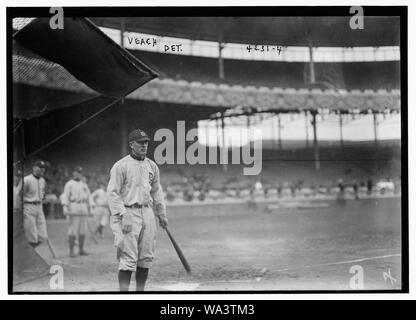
33,194
77,203
101,210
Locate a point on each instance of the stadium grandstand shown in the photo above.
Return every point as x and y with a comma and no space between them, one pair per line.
195,88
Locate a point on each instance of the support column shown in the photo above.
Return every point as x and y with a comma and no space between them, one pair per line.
207,132
224,146
248,130
123,130
220,60
307,128
122,29
341,137
123,126
311,65
315,141
274,131
218,146
375,122
279,131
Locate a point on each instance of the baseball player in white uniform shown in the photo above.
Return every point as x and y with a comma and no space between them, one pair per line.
17,187
134,188
76,201
34,222
101,210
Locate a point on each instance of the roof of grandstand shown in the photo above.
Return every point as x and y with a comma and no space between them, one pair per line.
274,85
285,31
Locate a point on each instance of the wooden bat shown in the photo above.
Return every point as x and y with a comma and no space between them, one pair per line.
92,233
179,252
51,248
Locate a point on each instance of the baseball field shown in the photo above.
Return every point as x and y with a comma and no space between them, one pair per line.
306,245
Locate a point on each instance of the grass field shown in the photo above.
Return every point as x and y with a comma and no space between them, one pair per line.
237,247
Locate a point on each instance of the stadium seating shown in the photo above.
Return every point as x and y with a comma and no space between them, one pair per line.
350,76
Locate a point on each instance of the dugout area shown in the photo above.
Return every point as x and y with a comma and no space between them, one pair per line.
92,61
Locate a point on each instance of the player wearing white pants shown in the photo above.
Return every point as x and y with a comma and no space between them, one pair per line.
76,200
101,210
136,248
133,189
34,222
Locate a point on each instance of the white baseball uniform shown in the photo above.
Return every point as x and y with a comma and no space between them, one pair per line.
101,210
135,182
77,197
34,221
17,200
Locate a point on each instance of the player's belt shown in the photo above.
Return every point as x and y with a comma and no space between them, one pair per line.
33,202
137,206
80,201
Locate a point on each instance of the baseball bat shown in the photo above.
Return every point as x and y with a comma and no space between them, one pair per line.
51,248
179,252
92,232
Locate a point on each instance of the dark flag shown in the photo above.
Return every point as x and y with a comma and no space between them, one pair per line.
88,54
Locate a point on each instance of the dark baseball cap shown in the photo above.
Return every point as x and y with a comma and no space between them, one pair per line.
138,135
40,164
78,169
17,172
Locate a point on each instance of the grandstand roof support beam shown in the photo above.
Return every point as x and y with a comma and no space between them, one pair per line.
315,141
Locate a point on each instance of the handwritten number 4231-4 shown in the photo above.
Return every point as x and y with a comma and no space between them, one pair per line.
264,48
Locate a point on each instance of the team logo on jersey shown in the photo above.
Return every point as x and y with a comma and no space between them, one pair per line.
151,176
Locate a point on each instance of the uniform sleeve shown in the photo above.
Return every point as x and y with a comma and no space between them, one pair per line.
93,196
43,191
115,185
65,195
26,187
157,194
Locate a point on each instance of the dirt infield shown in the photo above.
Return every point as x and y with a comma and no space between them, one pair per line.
242,247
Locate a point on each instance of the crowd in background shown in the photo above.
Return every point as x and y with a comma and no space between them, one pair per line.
199,187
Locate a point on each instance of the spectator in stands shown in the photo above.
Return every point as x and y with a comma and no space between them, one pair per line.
341,186
188,194
341,201
279,190
356,189
369,186
293,189
258,186
266,192
169,193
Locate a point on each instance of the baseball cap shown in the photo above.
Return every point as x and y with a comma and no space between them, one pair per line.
138,135
40,164
78,169
17,172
